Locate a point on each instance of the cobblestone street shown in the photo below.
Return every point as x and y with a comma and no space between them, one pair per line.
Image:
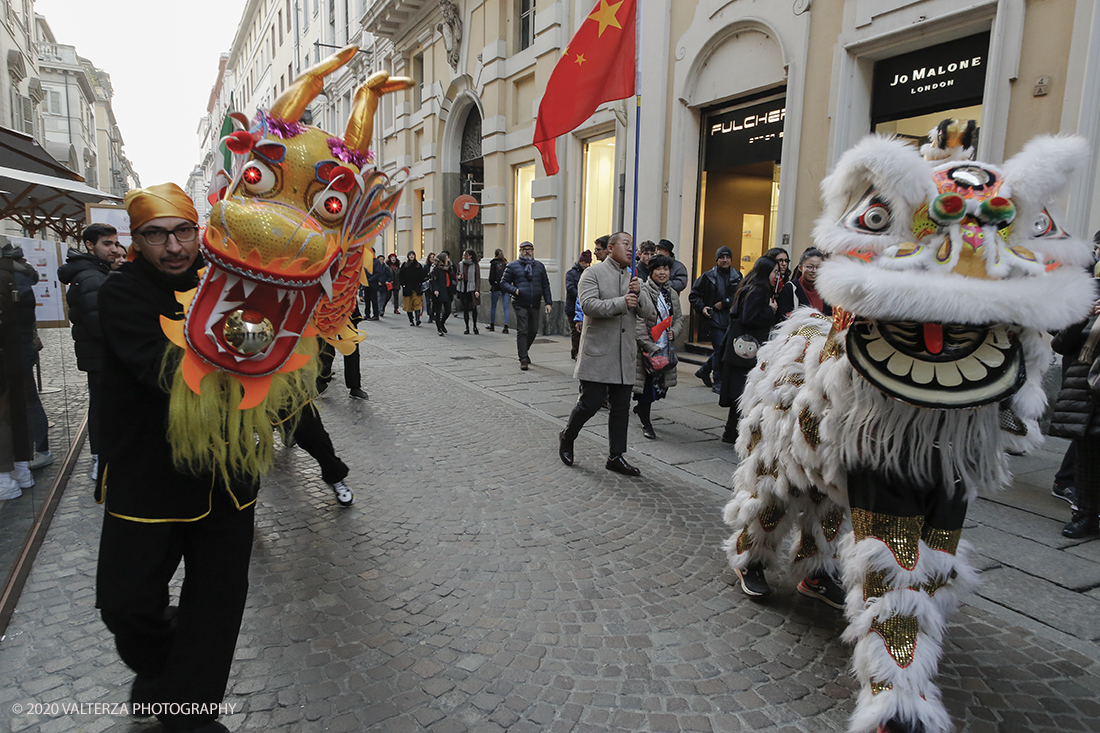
477,584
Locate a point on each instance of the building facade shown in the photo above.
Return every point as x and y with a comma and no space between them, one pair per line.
745,106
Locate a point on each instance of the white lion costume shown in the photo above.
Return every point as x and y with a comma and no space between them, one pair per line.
901,407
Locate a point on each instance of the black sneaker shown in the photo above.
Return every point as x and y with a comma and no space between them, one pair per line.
1081,526
1065,492
753,582
823,588
705,377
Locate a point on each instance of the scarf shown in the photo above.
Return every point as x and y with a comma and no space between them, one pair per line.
811,292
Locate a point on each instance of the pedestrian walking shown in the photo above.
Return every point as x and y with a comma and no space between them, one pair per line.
411,277
442,281
395,282
754,313
429,298
497,265
656,332
607,362
572,277
469,288
711,295
526,281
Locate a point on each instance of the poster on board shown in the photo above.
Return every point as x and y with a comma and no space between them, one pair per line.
113,214
45,257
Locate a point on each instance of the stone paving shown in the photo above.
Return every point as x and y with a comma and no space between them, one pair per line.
478,584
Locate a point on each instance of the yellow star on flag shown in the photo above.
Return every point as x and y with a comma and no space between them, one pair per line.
605,16
580,59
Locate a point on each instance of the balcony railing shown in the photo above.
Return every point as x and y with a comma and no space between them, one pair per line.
57,53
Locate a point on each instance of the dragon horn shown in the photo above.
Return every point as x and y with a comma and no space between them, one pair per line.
361,122
293,102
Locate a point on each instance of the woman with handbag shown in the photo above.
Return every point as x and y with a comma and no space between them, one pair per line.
443,281
753,314
469,287
429,299
656,371
1077,416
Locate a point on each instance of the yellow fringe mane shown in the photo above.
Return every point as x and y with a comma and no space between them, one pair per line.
207,432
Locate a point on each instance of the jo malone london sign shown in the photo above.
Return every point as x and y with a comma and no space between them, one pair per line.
939,77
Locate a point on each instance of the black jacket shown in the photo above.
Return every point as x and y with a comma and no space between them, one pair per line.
572,277
704,293
83,274
442,280
526,280
496,272
411,277
1075,414
137,478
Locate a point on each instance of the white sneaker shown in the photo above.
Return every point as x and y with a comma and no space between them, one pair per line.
41,460
9,489
344,494
22,475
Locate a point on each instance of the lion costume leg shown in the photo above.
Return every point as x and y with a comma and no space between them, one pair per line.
905,569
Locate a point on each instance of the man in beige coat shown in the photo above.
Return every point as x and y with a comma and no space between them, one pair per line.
608,294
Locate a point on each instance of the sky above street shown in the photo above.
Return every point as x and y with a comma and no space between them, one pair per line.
163,61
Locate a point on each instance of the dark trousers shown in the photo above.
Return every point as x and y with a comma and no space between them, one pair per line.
714,361
575,339
527,328
185,659
442,312
1087,475
593,395
733,386
94,398
381,296
370,303
353,377
311,435
1065,474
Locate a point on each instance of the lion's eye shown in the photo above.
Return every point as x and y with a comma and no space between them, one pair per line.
871,215
330,205
1046,228
258,178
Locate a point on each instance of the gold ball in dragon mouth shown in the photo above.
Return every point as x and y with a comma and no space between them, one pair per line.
247,332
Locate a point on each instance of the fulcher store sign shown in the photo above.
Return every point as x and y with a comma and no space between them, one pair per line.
745,135
939,77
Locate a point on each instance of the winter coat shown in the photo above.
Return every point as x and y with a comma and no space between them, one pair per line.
804,299
379,275
83,273
608,351
139,480
704,293
644,335
678,276
1075,414
442,279
469,276
496,272
755,315
22,314
411,276
572,277
526,281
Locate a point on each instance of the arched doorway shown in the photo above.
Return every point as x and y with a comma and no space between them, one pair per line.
472,180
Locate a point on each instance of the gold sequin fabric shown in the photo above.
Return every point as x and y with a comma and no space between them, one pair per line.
816,496
771,469
943,540
810,424
770,516
807,548
833,348
830,523
796,379
754,439
744,542
901,534
875,585
899,633
877,687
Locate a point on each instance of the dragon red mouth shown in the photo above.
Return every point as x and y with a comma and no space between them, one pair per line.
274,316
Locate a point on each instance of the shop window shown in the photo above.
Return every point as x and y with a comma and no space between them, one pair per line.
418,78
598,195
525,225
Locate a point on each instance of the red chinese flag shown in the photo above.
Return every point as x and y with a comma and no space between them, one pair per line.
596,67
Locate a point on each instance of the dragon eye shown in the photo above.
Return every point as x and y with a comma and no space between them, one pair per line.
1046,228
330,205
875,218
258,178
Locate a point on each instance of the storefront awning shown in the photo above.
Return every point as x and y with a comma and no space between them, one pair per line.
38,192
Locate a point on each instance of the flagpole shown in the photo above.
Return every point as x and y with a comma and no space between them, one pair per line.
637,130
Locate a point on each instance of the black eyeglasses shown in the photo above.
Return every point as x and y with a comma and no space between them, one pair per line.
157,237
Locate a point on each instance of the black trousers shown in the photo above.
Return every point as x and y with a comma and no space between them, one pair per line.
353,376
315,440
527,328
1087,474
593,395
442,312
94,398
186,659
370,302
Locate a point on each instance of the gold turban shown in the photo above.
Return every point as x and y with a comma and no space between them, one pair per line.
163,199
